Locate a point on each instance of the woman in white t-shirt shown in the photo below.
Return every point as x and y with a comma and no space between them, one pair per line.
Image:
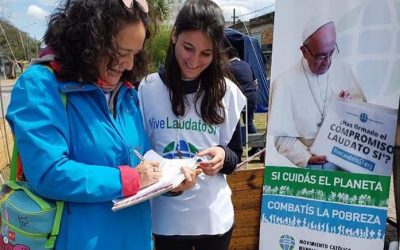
191,109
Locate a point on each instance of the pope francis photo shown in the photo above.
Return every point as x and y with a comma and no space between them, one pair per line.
301,95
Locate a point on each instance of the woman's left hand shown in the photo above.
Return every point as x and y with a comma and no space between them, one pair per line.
213,166
190,179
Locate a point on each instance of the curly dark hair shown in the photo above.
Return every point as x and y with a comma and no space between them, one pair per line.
82,32
204,15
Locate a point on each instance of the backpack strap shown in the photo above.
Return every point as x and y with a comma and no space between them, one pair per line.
50,243
14,185
15,161
16,173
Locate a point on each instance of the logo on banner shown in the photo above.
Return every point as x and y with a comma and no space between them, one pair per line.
286,242
363,117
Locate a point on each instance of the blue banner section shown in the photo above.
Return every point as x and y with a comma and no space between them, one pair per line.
364,163
334,218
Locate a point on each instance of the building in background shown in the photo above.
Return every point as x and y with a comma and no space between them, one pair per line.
260,28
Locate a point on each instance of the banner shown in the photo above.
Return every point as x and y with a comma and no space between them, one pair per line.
331,126
315,209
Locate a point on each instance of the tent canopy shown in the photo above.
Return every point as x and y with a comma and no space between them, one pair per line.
250,51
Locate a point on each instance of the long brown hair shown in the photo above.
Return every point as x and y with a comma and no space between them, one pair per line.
204,15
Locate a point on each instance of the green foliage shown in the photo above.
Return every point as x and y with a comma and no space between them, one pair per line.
160,10
157,46
19,43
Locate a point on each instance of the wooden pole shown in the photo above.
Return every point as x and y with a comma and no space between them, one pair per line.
234,17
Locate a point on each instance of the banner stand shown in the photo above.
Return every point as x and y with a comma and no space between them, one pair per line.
396,172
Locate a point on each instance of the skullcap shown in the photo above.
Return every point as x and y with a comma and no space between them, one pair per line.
313,25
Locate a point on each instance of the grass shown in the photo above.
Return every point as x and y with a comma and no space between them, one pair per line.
260,121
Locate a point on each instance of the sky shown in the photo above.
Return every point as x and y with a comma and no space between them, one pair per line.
31,15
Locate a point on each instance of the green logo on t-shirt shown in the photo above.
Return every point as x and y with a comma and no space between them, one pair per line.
182,150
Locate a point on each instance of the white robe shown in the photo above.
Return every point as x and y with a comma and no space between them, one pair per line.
298,102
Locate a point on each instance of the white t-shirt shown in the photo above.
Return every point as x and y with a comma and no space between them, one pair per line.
207,207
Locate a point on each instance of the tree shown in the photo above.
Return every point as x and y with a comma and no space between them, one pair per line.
157,47
160,11
15,43
4,9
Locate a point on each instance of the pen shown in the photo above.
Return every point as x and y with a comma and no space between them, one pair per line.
138,155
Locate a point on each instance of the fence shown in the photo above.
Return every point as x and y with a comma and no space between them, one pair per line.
6,138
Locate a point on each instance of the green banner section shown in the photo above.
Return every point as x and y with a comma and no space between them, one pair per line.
333,186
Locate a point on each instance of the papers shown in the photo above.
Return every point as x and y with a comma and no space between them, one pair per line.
171,178
358,137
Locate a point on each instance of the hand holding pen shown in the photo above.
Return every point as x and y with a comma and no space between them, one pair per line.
149,171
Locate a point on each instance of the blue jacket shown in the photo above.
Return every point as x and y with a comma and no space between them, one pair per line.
74,155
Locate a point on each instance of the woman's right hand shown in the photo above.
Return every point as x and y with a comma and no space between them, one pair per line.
149,173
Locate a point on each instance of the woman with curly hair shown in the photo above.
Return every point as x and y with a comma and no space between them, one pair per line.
81,152
199,115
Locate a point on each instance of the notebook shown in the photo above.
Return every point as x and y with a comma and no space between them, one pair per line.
171,178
